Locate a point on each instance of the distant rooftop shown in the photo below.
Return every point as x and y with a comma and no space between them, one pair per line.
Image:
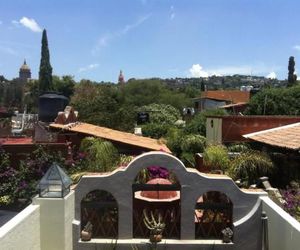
114,135
233,96
285,136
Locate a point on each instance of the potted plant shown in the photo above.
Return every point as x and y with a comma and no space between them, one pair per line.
156,226
86,233
227,235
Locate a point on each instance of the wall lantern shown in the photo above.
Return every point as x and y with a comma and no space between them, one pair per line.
55,183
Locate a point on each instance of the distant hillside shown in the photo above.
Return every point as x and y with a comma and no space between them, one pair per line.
224,82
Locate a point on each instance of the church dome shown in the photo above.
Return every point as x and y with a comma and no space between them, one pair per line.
24,67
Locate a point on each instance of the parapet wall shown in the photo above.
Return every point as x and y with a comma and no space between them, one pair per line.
283,230
22,231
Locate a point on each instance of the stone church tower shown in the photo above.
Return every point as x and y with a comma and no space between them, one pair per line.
24,73
121,79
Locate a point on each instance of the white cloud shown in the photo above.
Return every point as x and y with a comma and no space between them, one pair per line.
196,71
172,13
89,67
29,23
256,69
297,47
106,38
271,75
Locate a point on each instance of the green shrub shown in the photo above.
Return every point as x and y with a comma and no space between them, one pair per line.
193,143
155,130
216,156
251,165
102,156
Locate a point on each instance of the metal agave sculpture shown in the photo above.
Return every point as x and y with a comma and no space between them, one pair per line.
155,226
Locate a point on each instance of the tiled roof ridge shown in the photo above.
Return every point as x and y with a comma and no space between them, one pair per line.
271,130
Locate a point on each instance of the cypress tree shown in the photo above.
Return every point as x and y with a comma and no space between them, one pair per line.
45,73
292,78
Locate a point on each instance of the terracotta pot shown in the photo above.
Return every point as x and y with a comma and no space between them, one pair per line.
155,237
85,236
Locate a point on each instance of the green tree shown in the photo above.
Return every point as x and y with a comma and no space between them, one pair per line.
97,103
45,73
147,91
31,96
64,85
161,113
276,101
292,78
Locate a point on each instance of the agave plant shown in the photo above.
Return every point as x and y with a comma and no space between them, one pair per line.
251,165
102,155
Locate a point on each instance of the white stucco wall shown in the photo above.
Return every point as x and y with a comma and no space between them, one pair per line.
56,216
284,230
22,232
214,130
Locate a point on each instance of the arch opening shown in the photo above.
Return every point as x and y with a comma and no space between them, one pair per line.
157,191
100,208
213,213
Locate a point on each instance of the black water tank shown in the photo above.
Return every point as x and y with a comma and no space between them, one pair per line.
50,104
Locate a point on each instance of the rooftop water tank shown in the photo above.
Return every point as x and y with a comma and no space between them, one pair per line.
50,104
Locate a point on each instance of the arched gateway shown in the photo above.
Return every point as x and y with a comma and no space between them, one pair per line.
230,207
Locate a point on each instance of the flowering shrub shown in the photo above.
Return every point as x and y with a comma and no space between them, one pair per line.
158,172
8,183
292,202
21,182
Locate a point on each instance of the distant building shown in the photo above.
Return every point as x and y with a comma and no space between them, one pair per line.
121,79
221,99
24,73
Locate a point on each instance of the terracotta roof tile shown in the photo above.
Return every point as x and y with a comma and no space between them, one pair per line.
285,136
233,96
114,135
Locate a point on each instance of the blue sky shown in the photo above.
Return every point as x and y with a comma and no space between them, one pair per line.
94,39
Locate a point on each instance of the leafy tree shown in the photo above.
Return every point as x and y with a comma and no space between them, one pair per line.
64,85
45,73
275,101
144,92
161,113
292,78
31,96
96,103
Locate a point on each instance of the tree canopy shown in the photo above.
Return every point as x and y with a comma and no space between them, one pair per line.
276,101
45,73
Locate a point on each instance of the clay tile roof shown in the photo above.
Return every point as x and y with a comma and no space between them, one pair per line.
114,135
285,136
233,96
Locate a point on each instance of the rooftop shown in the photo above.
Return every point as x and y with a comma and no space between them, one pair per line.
234,96
114,135
285,136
